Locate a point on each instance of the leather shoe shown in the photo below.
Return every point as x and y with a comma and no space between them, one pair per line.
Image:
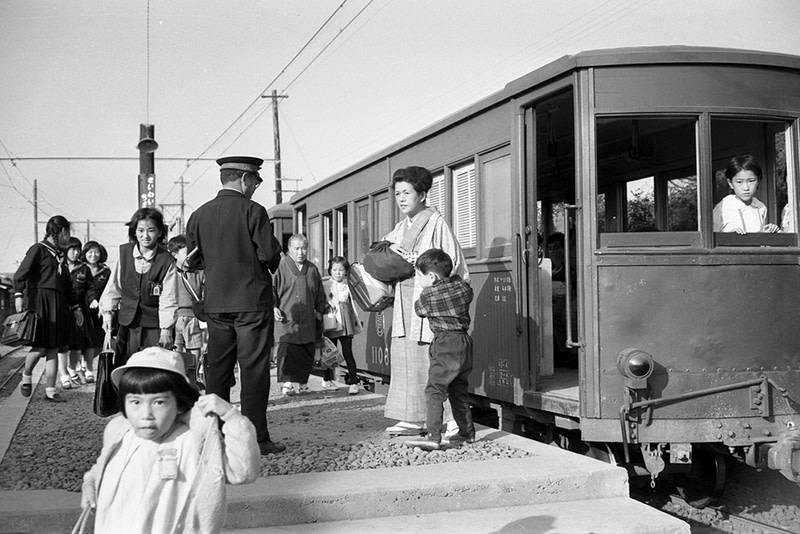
424,444
268,447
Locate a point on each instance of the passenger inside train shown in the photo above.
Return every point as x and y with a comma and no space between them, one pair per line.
741,211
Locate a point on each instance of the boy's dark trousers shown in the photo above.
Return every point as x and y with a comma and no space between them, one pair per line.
448,374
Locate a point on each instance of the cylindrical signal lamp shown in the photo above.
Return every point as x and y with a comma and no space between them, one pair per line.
147,142
636,366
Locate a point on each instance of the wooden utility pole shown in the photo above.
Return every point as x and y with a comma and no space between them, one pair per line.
276,134
35,210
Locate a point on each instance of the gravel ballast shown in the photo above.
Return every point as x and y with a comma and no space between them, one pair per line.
56,443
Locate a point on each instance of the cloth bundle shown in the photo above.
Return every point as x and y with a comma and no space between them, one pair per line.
385,264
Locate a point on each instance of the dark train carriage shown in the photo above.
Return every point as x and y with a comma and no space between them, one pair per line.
684,337
282,218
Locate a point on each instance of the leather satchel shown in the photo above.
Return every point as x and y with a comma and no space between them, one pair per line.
19,329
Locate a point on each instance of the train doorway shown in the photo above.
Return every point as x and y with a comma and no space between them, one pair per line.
553,293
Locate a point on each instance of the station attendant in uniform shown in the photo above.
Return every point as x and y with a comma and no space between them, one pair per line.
231,238
421,229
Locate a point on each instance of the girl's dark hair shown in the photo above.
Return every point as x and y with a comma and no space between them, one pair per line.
340,260
420,178
55,225
745,162
74,242
147,381
94,244
147,213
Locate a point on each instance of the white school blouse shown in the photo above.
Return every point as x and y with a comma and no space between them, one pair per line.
731,213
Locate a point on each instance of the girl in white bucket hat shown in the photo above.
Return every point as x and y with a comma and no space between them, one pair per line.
166,452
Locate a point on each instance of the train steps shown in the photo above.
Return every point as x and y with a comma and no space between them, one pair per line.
552,491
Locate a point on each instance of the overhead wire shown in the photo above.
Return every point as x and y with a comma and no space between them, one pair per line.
276,78
258,98
586,24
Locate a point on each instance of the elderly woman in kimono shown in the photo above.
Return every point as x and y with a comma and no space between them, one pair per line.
421,229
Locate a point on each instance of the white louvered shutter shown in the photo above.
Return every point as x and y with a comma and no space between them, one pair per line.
436,196
464,205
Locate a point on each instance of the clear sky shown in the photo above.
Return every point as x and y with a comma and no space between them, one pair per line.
75,84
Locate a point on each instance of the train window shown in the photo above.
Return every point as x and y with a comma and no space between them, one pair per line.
301,219
315,242
327,237
771,221
495,191
362,237
647,181
464,205
437,196
341,243
383,215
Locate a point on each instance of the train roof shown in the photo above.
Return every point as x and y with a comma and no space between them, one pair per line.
282,210
591,58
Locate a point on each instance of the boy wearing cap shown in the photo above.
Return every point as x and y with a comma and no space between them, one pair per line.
231,238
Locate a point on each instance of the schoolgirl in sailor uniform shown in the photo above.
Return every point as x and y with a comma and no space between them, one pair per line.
41,285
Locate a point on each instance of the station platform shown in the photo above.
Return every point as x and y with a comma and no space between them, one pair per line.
548,491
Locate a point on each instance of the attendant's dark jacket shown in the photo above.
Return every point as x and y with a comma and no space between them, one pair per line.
237,249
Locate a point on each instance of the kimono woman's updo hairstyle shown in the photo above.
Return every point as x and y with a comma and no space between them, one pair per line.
420,178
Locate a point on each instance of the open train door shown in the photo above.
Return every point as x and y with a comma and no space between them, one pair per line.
549,255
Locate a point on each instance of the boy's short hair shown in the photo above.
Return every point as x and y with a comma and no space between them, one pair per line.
435,260
176,243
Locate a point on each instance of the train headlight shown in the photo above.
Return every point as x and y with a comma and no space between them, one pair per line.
636,366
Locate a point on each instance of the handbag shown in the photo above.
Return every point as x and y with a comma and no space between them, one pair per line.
385,264
105,394
327,356
370,294
19,329
331,320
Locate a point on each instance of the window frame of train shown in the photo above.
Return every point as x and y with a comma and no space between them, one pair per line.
637,208
472,195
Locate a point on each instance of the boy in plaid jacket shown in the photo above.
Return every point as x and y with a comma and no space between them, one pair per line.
445,302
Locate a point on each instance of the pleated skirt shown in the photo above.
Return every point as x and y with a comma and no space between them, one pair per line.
56,324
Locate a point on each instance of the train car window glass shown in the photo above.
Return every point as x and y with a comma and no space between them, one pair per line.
383,215
765,141
436,195
341,243
647,194
362,229
315,242
464,205
327,237
301,220
495,190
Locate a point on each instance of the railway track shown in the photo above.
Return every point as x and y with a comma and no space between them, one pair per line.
712,519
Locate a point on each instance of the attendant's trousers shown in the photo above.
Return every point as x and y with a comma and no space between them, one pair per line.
245,337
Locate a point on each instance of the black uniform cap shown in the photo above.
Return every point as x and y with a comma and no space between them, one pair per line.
241,163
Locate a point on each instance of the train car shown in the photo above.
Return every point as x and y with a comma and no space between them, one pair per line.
281,216
685,339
